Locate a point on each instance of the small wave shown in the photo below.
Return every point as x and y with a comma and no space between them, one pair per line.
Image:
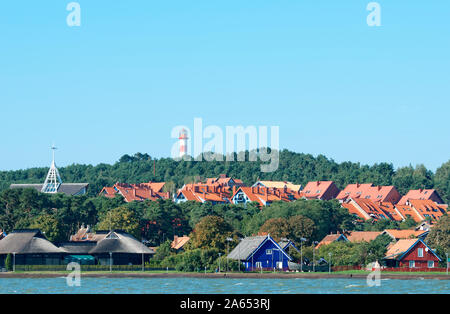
352,286
238,284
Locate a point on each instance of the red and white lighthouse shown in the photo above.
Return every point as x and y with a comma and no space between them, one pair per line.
183,143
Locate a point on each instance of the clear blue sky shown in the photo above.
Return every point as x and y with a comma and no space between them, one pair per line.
135,69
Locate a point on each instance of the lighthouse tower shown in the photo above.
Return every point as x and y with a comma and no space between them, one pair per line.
183,143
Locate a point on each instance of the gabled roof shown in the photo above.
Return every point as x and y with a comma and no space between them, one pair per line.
398,248
402,247
370,192
137,192
265,196
406,211
362,236
179,242
421,194
279,185
366,209
330,238
205,193
405,234
27,241
250,245
392,212
317,189
120,242
427,208
286,243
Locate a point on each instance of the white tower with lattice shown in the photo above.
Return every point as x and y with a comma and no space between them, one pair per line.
53,180
183,143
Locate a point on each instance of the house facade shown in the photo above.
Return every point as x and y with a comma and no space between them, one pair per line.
260,253
411,253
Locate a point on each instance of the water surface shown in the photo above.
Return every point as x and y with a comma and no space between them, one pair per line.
220,286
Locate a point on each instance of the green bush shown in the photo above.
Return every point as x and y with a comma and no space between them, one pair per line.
9,262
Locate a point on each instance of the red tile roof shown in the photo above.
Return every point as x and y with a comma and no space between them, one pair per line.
427,209
265,196
137,192
360,236
201,192
371,192
421,194
365,209
404,234
330,238
320,190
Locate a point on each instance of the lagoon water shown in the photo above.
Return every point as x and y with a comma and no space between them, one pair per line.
220,286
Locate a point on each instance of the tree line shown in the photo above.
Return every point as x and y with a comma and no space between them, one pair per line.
298,168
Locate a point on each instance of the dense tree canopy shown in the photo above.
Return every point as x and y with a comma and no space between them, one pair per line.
295,167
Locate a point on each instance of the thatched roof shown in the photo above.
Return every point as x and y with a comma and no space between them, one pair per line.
120,242
27,241
77,247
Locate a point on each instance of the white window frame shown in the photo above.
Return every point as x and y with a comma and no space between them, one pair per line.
432,264
412,264
258,265
269,252
420,252
279,265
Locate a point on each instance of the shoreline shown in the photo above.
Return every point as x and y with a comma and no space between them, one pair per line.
402,276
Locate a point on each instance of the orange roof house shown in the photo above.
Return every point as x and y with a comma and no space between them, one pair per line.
223,180
263,195
411,253
322,190
408,212
279,185
405,234
179,242
426,209
362,236
392,211
370,192
136,192
365,209
330,238
421,194
200,192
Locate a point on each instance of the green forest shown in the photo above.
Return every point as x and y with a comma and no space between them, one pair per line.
295,167
60,216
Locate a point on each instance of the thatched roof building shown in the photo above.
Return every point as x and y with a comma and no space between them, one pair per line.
30,247
123,248
28,241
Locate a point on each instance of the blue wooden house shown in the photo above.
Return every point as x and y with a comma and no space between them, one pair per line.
260,253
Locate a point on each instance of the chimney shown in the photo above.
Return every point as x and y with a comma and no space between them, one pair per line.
234,189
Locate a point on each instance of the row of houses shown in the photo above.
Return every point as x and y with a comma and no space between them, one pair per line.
407,249
365,201
31,247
